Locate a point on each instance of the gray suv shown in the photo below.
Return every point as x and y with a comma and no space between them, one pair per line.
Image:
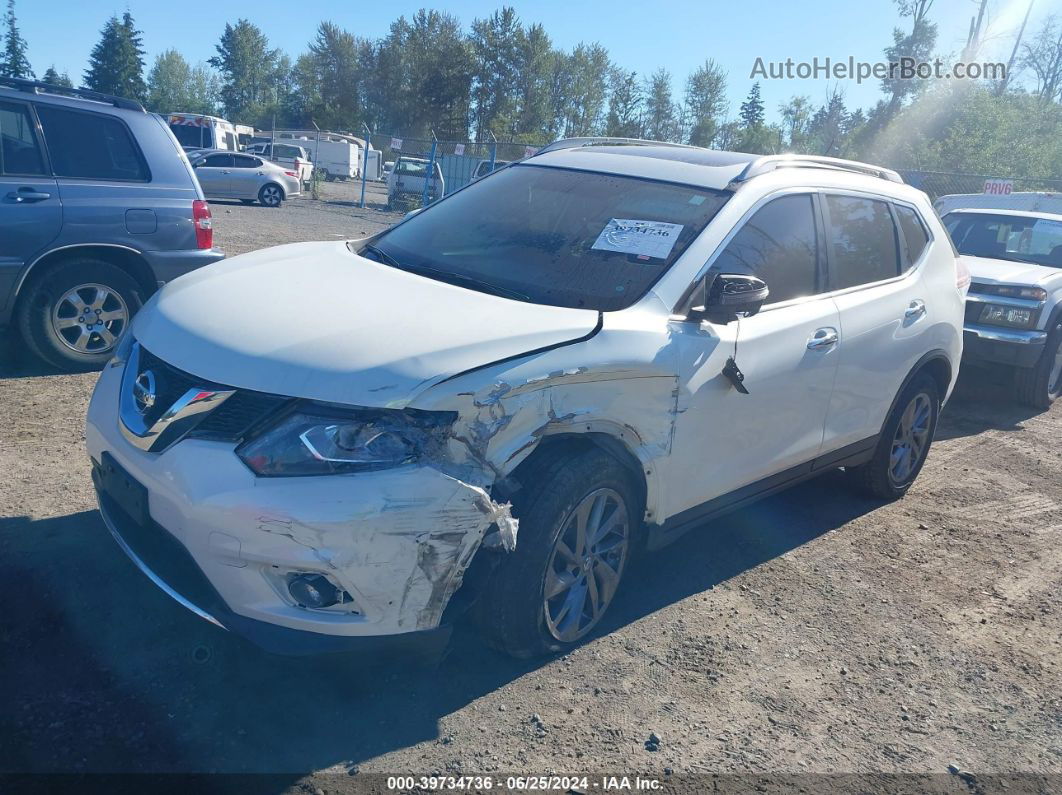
98,207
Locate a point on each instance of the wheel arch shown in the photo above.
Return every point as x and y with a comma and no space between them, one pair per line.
568,443
128,259
937,365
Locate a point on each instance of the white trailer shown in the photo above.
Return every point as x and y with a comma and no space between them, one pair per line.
335,156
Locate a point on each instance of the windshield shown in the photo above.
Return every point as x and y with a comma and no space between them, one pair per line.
1010,237
554,236
192,135
416,168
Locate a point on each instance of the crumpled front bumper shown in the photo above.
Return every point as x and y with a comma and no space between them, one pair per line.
221,540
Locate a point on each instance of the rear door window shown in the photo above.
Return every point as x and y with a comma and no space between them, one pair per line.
242,161
91,146
779,244
862,236
20,151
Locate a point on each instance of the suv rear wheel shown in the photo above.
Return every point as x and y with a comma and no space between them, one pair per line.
578,520
74,315
1040,386
904,443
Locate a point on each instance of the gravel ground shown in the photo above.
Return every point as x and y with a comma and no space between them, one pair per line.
815,632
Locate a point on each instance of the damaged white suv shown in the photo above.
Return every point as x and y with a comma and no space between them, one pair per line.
499,401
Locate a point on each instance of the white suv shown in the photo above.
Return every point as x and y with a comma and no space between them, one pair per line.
512,392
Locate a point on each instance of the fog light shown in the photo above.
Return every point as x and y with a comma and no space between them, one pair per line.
313,590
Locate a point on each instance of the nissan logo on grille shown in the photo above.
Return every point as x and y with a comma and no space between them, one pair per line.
144,391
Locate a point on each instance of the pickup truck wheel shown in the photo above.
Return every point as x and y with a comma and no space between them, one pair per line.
72,317
1039,386
578,520
904,443
271,195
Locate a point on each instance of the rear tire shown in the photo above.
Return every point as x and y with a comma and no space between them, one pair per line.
904,443
1040,385
271,195
514,611
74,315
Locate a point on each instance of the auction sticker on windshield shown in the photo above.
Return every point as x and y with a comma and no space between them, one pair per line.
644,239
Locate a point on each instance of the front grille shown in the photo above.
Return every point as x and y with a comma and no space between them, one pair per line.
233,418
230,421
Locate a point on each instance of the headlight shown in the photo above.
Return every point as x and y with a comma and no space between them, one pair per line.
330,440
1011,291
1000,315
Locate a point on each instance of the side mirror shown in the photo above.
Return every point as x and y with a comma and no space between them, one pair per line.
728,296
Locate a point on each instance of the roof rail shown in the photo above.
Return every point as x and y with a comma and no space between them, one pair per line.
37,87
769,163
576,143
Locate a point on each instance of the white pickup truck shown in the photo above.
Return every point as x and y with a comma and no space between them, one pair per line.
1014,306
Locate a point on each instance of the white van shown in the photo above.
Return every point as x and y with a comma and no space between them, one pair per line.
198,131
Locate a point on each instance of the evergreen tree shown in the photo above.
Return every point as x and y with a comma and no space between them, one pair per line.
751,112
116,65
52,77
705,103
625,106
661,122
248,67
14,62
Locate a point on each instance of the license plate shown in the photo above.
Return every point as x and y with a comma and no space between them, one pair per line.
124,489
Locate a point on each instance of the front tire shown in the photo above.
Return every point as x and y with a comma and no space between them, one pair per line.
271,195
904,443
74,315
1039,386
579,517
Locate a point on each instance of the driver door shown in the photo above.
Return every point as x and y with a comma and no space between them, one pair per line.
725,440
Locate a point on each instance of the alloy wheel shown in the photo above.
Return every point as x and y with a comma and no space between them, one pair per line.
90,318
586,565
271,195
911,440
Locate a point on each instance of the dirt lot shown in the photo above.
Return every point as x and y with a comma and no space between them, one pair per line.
815,632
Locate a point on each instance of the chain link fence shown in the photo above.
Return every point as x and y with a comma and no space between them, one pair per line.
454,164
940,183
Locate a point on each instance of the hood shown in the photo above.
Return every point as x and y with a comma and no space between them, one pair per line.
1002,271
314,320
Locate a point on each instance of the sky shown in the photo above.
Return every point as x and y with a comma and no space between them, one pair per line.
677,35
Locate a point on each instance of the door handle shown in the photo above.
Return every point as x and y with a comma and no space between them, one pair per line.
26,195
915,309
823,338
226,172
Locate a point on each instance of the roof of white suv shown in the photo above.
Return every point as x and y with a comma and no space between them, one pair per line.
707,168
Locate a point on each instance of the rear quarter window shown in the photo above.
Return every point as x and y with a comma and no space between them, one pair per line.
915,237
91,146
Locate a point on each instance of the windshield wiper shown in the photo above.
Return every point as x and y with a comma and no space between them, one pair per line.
469,281
443,276
382,256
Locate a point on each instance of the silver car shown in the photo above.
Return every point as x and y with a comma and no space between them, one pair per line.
232,175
